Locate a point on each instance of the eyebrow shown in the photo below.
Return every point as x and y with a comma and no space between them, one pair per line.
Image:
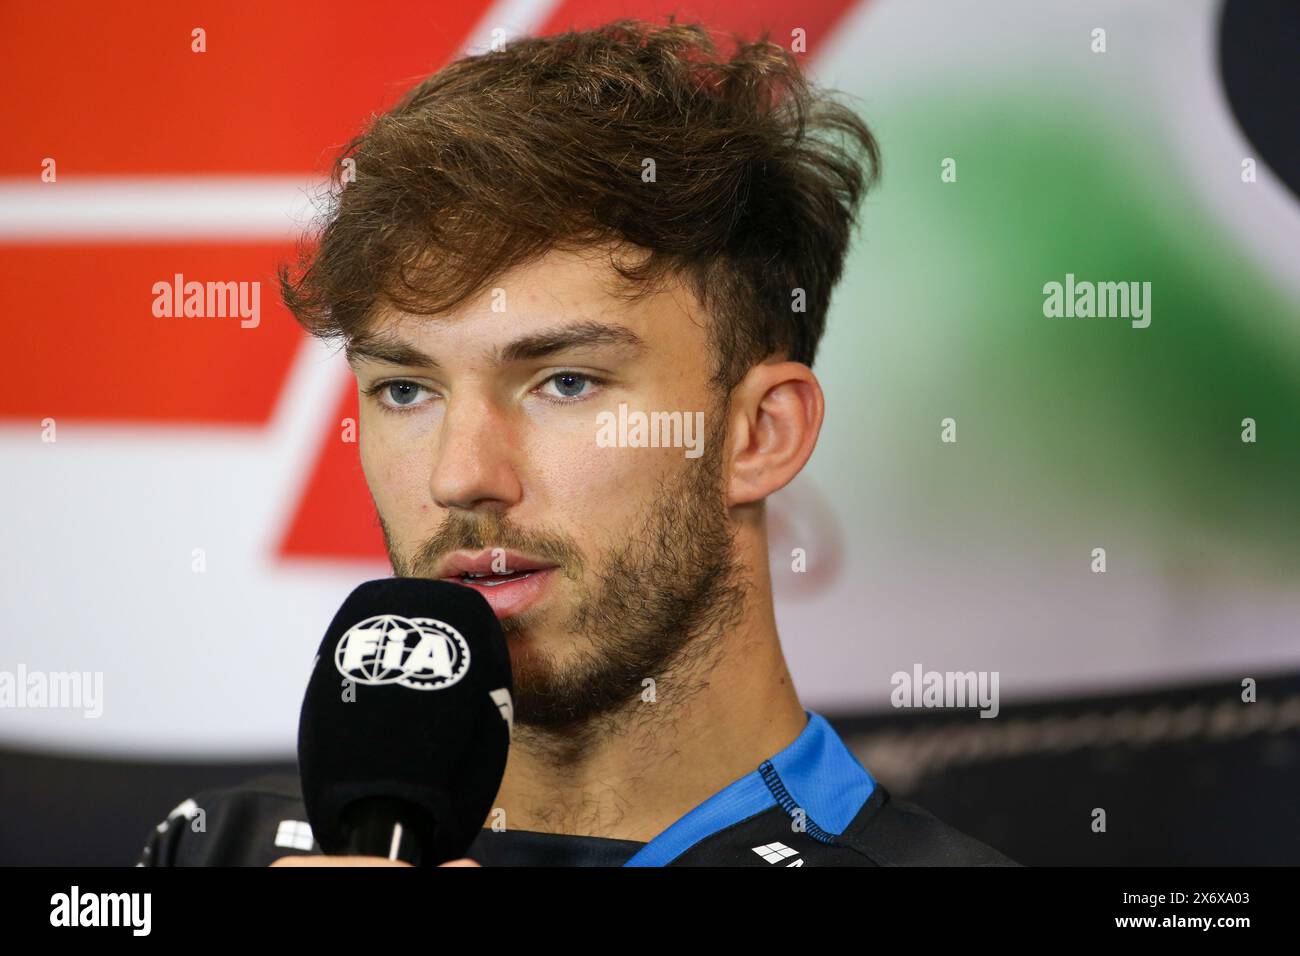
382,347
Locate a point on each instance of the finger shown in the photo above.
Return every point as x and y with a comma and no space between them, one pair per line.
337,861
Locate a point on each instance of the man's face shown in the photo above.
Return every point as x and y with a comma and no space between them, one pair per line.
479,441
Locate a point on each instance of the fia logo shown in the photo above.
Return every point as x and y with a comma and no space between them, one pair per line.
418,652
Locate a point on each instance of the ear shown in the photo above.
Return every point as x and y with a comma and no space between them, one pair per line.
777,412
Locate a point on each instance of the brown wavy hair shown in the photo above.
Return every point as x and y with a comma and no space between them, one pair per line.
498,158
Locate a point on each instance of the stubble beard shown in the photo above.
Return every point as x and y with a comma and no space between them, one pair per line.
645,635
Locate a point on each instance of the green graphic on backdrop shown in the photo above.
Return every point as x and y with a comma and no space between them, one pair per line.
1062,423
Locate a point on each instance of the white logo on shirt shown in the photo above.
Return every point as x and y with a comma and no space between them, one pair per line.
294,834
776,852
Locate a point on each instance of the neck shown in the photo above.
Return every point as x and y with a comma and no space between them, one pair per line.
637,772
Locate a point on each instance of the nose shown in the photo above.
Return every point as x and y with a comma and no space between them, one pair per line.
474,467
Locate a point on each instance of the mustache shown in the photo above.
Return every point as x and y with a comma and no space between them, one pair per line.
461,532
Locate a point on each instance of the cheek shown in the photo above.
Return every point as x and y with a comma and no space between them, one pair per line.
394,474
598,490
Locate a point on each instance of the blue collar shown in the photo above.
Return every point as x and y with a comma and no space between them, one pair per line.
816,774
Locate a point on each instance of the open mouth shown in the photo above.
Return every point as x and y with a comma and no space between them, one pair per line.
491,579
511,592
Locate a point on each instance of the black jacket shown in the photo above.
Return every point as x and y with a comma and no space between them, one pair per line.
813,804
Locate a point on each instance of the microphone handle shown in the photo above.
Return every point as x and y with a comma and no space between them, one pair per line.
393,829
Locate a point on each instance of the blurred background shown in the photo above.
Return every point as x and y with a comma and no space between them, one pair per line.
196,520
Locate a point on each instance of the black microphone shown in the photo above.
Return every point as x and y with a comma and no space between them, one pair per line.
406,722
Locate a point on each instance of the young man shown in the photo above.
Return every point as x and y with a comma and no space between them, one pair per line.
581,282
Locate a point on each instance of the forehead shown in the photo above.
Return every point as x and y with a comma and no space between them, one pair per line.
559,291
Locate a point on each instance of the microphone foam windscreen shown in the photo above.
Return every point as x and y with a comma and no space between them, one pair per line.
409,699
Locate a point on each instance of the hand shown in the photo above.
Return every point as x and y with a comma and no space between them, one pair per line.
355,861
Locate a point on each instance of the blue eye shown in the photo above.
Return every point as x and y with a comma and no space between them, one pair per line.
403,393
571,385
397,394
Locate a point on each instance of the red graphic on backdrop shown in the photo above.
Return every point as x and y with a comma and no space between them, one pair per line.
278,89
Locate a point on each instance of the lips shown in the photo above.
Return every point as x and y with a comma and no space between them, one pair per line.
521,582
